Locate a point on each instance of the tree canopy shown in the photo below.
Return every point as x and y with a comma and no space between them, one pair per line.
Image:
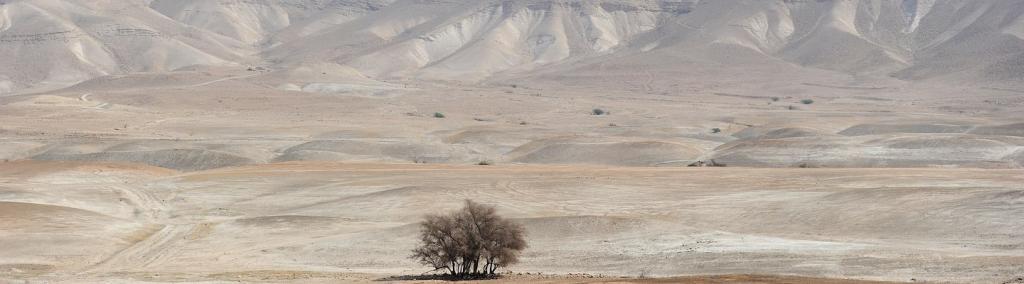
473,241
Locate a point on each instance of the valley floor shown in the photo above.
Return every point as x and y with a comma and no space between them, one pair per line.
304,221
221,175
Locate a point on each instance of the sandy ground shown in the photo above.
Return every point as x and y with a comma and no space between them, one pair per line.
301,141
223,118
88,222
225,179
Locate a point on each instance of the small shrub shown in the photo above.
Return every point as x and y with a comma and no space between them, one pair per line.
484,163
598,111
644,273
806,166
438,115
716,130
807,101
775,99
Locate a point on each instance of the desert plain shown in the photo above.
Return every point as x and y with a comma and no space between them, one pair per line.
302,141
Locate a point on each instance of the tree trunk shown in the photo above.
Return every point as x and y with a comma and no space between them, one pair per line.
487,266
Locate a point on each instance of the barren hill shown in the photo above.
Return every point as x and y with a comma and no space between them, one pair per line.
193,85
53,43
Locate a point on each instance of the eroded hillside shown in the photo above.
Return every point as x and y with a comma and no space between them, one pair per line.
55,43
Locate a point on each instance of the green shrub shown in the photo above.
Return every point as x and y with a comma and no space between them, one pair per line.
807,101
438,115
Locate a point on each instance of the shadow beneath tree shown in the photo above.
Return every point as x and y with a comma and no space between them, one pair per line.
438,277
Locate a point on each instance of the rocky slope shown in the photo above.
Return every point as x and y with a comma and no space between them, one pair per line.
55,43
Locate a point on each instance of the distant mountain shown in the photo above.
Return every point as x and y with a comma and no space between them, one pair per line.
54,43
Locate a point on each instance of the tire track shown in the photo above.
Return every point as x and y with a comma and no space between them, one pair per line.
151,206
648,82
154,250
207,83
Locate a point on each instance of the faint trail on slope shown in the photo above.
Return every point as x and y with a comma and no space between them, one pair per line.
648,83
223,80
155,249
85,98
143,201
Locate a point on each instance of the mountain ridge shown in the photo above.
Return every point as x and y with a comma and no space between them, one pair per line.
78,40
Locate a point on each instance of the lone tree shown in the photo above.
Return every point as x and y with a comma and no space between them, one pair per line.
472,242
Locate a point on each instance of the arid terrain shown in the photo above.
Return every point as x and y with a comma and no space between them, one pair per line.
302,141
88,221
